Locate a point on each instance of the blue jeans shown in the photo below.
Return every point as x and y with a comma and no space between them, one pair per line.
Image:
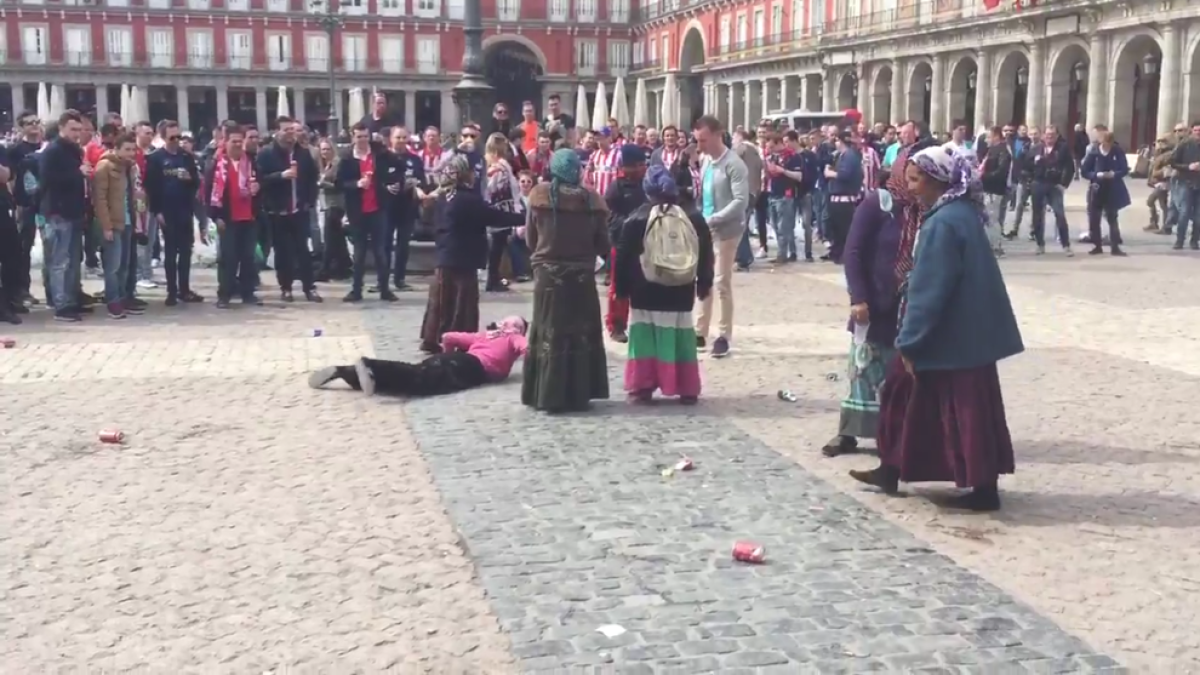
64,254
804,213
146,251
781,212
369,233
518,256
399,239
820,198
1188,204
115,257
1049,195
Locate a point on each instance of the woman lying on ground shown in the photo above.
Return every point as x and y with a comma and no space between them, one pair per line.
467,360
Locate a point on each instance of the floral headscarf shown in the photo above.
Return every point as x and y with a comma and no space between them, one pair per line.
910,212
954,169
455,172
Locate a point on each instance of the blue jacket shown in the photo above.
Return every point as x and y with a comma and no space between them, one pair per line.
1113,190
849,168
958,315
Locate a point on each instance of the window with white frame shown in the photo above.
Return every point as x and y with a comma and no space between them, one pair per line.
429,54
559,10
666,49
312,6
777,18
760,25
354,53
316,52
455,9
618,57
429,9
353,7
4,45
639,52
585,11
33,2
117,3
200,49
391,7
585,57
726,24
77,45
743,31
201,5
159,4
391,53
508,10
118,45
653,50
241,50
816,16
33,45
618,11
278,5
237,5
797,18
279,51
161,43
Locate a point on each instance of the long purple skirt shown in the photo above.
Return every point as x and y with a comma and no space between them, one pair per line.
944,425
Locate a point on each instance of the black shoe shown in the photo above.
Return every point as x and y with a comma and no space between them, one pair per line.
85,309
222,303
1010,235
69,315
252,299
18,307
388,296
190,297
1096,250
402,287
313,296
720,348
135,303
1118,252
10,317
980,499
172,301
840,445
286,296
1177,246
352,296
366,379
883,477
1195,245
700,342
618,336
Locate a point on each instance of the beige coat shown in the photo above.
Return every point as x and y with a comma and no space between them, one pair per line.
110,192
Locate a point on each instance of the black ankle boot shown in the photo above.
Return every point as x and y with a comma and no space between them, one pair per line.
980,499
884,477
839,445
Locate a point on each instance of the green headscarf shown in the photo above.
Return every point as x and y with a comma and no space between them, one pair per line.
565,170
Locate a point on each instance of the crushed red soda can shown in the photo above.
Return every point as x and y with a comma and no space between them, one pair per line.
685,464
8,342
112,436
748,551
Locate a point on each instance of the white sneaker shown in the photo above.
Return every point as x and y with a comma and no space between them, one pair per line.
761,255
146,283
155,263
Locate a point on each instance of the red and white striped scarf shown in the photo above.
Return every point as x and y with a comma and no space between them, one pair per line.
245,171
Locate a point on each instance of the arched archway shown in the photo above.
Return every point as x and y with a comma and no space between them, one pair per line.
513,65
1134,91
1012,88
964,79
691,84
847,91
881,95
920,94
1068,89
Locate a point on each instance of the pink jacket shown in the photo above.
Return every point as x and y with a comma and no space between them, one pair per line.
497,352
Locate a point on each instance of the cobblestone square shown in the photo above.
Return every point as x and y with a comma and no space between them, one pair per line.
250,524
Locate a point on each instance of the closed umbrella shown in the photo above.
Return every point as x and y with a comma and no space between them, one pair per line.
43,102
620,103
356,111
126,109
600,111
581,111
670,102
641,111
281,104
57,104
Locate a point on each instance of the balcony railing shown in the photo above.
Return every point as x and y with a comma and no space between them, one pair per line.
203,61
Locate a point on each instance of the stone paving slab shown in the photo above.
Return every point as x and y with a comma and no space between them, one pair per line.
573,527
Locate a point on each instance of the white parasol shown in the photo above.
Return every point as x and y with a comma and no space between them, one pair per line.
281,104
57,104
355,110
600,111
620,108
641,111
43,102
581,111
126,109
670,101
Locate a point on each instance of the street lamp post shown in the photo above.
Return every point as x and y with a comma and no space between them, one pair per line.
332,22
472,94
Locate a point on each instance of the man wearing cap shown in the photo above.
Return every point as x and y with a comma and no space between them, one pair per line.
623,196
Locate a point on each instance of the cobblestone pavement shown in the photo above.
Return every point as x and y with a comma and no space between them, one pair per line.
250,523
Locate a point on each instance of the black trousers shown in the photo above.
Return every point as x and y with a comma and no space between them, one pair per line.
838,226
335,260
760,216
1096,209
497,243
292,259
11,283
178,240
28,223
368,233
436,375
238,270
91,242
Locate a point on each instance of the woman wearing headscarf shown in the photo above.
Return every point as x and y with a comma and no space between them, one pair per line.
941,411
662,336
461,218
567,231
869,260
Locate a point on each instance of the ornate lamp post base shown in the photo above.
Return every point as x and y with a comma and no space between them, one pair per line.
474,98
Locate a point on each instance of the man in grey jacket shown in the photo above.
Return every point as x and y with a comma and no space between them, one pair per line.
723,200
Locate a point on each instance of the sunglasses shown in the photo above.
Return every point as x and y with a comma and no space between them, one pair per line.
174,138
470,135
502,112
